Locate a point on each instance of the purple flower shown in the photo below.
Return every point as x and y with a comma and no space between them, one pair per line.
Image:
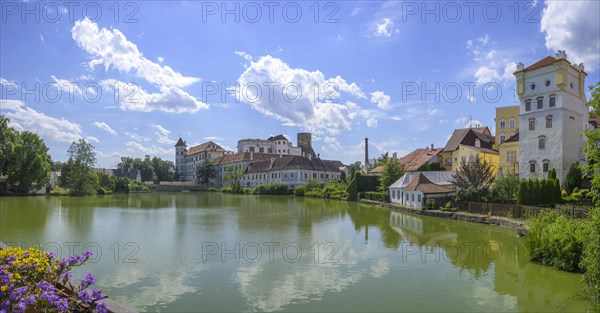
101,307
85,296
89,279
97,294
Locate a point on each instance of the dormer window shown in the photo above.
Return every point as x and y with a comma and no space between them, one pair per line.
477,143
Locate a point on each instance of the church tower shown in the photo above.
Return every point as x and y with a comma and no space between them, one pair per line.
553,113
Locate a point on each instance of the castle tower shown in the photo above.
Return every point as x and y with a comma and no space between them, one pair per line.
305,142
180,148
553,113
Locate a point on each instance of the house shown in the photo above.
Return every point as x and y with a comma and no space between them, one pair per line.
419,158
236,162
377,170
416,193
187,159
279,145
467,144
129,173
509,156
553,112
291,169
507,123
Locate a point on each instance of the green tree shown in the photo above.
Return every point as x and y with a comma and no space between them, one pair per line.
506,188
591,150
392,171
343,176
165,170
205,171
574,178
232,177
523,196
8,139
383,160
81,178
473,180
29,168
591,256
352,188
147,172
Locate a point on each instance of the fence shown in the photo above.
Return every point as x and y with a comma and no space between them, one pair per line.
518,210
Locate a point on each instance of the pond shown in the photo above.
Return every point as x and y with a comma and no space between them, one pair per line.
217,252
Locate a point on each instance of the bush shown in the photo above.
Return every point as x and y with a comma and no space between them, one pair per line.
556,240
135,186
273,189
104,191
314,194
58,191
249,191
352,190
574,178
299,191
375,196
591,256
366,183
227,189
430,203
213,189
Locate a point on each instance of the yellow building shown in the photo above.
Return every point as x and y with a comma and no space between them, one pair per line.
470,154
509,156
507,124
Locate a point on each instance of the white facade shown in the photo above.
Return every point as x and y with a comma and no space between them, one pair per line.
293,177
553,114
407,198
276,145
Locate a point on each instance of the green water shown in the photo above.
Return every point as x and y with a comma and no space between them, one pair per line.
166,252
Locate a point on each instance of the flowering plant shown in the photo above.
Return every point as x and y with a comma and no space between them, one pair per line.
36,281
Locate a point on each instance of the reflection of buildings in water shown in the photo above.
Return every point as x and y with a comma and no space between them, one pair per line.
413,230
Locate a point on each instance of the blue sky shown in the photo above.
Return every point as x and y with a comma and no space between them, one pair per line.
133,77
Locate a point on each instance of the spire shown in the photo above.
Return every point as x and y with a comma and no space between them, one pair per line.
180,142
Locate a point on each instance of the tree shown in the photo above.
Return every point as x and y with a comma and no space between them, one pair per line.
343,176
383,160
233,176
205,171
523,195
591,150
29,168
506,188
473,180
352,188
165,170
82,180
392,171
8,138
574,178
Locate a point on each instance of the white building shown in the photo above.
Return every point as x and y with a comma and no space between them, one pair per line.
278,145
553,114
414,188
186,160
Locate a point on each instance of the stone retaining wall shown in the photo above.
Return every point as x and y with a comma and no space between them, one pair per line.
518,226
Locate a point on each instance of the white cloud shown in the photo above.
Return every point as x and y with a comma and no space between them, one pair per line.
467,122
160,59
573,26
111,48
91,139
213,138
8,83
42,38
332,143
244,55
104,127
381,99
66,85
170,99
384,28
50,128
294,100
372,122
161,129
492,66
136,147
136,137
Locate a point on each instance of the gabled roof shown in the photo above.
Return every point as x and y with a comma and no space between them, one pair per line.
205,147
443,178
541,63
423,184
513,138
414,160
244,156
278,137
459,135
482,150
292,162
376,170
180,142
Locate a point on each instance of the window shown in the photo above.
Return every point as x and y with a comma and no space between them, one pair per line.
552,101
406,197
532,86
419,198
548,83
412,197
502,139
528,105
531,124
449,161
477,143
251,149
502,124
511,123
549,121
542,142
540,102
531,167
545,166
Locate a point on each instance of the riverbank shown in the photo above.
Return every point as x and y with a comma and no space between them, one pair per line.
520,227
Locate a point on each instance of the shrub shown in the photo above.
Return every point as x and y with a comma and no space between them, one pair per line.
449,205
273,189
32,281
375,196
104,191
430,203
213,189
227,189
352,190
556,240
299,191
591,256
314,194
58,191
249,191
574,178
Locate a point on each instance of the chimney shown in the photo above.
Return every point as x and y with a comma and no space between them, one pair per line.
251,155
318,155
366,154
431,146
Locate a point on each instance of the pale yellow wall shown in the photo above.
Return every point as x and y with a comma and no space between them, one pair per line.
467,152
509,167
506,113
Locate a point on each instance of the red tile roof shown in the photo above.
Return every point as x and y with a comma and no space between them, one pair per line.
541,63
180,142
414,160
423,184
205,147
